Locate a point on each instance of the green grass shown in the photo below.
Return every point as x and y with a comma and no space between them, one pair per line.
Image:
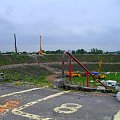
91,67
15,59
20,58
32,75
82,80
113,76
81,58
50,58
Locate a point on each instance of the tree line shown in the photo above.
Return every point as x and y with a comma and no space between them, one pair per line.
82,51
78,51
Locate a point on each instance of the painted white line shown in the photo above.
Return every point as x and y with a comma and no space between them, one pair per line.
17,111
24,91
117,116
67,108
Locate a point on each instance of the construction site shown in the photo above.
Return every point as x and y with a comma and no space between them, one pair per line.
64,86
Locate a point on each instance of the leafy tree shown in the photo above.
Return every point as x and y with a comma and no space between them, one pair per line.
73,51
24,52
81,51
55,52
96,51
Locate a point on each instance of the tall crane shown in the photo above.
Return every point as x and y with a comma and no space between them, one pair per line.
15,43
40,51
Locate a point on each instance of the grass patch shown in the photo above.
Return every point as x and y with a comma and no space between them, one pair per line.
15,59
20,58
81,58
113,76
82,80
27,75
91,67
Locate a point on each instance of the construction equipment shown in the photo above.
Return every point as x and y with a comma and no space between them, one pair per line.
102,76
88,73
15,43
99,74
41,50
74,74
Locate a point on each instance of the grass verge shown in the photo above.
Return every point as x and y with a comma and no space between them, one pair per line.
82,80
27,76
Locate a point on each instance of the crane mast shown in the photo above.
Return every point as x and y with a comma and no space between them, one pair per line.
15,43
41,51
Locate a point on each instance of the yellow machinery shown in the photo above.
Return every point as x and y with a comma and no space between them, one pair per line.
101,75
41,51
74,74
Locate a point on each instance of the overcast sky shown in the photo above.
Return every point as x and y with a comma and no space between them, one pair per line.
64,24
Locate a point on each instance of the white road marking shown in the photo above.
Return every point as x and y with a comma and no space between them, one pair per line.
67,108
24,91
17,111
117,116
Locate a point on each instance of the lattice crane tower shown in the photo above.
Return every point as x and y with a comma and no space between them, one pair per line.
15,43
40,51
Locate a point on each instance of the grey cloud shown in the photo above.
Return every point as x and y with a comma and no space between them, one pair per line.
65,24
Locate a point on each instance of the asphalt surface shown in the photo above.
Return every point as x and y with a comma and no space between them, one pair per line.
52,104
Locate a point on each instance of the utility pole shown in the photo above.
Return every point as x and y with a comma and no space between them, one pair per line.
15,43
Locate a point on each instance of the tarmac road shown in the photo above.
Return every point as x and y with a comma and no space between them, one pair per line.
51,104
